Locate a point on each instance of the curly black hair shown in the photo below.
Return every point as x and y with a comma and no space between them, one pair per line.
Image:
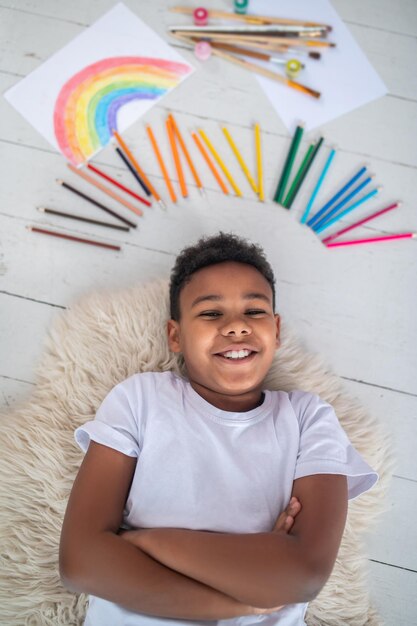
210,251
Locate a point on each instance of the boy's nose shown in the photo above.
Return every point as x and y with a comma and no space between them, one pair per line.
236,328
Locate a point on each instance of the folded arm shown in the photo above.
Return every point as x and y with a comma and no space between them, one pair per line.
95,560
263,569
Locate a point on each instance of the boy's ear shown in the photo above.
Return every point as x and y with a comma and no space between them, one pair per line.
173,333
278,328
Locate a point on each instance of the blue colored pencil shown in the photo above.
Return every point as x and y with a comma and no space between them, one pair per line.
318,185
342,203
336,196
348,210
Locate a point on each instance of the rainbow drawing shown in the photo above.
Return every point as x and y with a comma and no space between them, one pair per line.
86,108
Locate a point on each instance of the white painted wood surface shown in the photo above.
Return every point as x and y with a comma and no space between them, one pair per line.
355,306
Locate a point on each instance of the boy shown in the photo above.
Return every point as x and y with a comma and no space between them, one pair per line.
236,496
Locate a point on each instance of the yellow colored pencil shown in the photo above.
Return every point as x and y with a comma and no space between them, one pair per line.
240,159
259,162
219,160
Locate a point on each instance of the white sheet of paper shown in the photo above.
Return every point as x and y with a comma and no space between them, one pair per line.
119,33
343,75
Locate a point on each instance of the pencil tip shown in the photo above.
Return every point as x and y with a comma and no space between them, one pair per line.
59,181
41,208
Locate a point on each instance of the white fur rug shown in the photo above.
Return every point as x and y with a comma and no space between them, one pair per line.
98,342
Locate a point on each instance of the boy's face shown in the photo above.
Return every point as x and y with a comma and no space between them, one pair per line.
228,334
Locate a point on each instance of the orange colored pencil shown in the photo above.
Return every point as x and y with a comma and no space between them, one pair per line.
161,163
137,167
175,154
210,163
186,153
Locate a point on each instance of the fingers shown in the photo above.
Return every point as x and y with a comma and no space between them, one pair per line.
285,521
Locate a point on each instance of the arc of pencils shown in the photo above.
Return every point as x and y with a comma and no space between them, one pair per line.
259,166
210,163
137,167
355,205
337,195
240,159
302,172
61,235
360,222
327,216
183,146
161,163
219,160
116,183
96,203
372,240
318,185
133,172
105,190
289,161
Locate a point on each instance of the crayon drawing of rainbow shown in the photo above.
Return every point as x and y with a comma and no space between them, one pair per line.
86,108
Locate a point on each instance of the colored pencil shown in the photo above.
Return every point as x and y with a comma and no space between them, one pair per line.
98,204
220,162
302,173
342,203
354,242
318,185
258,69
176,157
357,224
161,164
210,163
353,206
101,244
289,161
133,172
186,153
298,176
82,219
259,19
240,159
137,167
259,166
116,183
336,197
105,190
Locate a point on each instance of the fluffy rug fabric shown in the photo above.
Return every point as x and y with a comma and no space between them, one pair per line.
101,340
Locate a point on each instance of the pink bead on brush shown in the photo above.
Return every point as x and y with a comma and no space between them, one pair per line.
202,50
200,16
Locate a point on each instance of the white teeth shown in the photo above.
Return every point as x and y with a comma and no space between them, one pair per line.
237,354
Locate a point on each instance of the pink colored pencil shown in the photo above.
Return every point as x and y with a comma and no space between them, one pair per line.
371,240
356,224
117,184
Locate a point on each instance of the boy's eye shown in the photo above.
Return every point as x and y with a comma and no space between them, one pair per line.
253,312
209,314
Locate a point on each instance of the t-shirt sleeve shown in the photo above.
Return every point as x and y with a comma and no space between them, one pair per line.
324,446
115,424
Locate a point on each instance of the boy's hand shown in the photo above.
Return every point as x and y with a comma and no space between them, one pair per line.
286,519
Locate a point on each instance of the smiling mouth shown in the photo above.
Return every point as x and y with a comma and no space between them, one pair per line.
236,355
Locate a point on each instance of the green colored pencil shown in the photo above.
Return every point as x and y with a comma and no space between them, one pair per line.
302,173
288,164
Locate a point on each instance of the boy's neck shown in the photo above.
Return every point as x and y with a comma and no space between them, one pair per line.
235,404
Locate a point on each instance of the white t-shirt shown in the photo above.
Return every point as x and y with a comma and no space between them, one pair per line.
202,468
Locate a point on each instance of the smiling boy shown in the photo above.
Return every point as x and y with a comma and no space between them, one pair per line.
202,469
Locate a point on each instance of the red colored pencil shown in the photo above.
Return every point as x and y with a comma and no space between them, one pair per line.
95,169
372,240
356,224
35,229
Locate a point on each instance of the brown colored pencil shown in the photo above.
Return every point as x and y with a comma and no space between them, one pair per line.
105,190
82,219
98,204
101,244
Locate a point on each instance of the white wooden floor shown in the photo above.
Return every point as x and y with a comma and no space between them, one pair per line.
354,306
